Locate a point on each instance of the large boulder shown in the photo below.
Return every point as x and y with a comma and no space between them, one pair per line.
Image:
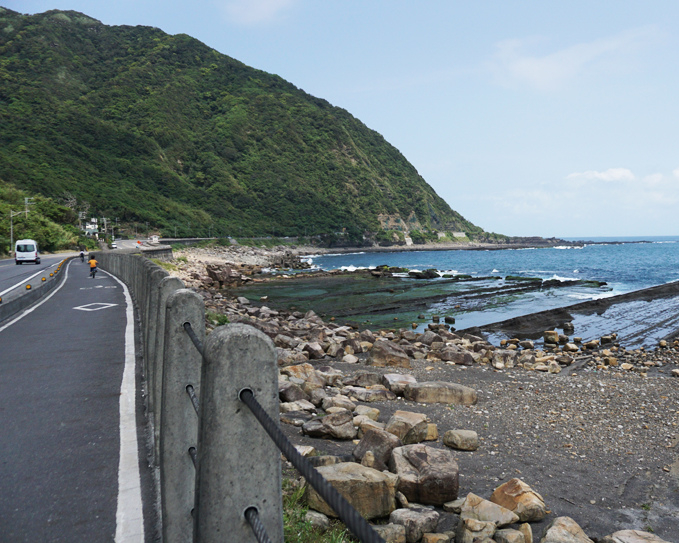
463,440
565,530
477,508
520,498
409,427
456,355
417,521
376,393
338,426
381,444
632,536
391,533
396,382
440,392
372,493
338,401
362,379
386,353
300,371
470,530
290,392
426,475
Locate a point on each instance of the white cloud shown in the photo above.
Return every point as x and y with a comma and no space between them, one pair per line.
252,12
676,173
610,176
512,66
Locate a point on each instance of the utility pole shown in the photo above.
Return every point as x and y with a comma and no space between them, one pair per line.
147,229
13,214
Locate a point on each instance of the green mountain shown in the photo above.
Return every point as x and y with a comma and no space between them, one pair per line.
146,127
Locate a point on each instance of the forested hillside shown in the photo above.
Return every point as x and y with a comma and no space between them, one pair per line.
147,127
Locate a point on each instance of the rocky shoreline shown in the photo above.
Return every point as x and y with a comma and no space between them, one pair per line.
592,429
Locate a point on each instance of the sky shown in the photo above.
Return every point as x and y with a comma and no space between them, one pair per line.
527,117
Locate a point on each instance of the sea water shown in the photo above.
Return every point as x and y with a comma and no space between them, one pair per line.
624,264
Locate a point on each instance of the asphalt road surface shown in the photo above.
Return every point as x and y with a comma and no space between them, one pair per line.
12,275
67,403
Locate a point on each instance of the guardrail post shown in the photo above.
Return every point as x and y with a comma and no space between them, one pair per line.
156,276
166,287
179,421
238,464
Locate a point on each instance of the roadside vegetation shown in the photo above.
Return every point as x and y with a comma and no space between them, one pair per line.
295,526
52,225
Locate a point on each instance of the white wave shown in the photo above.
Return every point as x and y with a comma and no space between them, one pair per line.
562,247
354,268
562,279
576,271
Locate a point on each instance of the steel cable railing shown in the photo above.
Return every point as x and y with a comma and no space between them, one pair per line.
194,338
252,516
356,524
194,399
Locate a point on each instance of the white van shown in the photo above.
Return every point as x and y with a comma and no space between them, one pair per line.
26,250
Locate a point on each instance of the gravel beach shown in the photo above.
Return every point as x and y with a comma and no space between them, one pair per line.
599,443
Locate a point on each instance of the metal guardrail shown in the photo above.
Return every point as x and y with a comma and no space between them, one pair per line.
219,463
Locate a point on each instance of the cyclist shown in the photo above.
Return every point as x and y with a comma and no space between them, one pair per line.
93,266
82,256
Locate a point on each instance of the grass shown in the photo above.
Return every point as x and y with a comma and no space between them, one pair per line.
165,265
217,318
295,526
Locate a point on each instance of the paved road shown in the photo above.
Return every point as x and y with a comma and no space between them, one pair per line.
11,274
64,416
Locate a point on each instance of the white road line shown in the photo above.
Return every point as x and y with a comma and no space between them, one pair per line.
36,306
129,516
27,279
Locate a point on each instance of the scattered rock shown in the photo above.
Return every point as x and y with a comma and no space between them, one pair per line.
565,530
372,493
440,392
416,520
337,426
463,440
426,475
520,498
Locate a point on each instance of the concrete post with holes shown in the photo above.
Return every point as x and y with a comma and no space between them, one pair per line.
157,275
155,384
239,466
178,419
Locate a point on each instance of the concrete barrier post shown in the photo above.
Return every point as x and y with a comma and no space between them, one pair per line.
239,466
156,277
179,421
167,286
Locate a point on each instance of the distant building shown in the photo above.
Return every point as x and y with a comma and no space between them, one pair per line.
91,227
459,235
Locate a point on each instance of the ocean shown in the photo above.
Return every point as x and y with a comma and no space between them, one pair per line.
623,264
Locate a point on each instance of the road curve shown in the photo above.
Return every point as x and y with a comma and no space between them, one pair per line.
62,364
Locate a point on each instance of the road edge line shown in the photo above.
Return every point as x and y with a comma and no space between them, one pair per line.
129,512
